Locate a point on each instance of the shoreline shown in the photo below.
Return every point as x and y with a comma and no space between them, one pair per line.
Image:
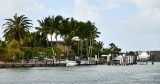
55,64
23,65
17,65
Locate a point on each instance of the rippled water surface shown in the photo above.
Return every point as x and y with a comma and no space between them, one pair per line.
100,74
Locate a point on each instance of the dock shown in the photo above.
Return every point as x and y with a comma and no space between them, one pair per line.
16,65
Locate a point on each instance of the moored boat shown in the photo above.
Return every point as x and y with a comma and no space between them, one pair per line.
71,63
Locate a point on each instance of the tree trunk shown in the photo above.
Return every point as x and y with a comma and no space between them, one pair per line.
56,41
89,51
78,50
47,41
81,46
68,50
64,48
51,40
87,54
91,46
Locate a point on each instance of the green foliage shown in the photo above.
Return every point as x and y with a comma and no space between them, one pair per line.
26,45
50,25
27,53
95,51
14,50
57,51
98,46
16,28
31,52
131,53
2,44
2,54
106,51
113,50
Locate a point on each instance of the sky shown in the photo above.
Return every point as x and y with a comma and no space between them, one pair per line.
132,25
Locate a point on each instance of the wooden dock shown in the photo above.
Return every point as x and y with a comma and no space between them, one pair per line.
16,65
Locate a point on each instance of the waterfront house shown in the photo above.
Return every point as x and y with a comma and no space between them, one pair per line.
60,45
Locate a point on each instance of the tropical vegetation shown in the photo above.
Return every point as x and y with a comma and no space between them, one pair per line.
79,39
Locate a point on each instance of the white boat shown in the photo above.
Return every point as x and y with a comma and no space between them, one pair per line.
144,56
71,63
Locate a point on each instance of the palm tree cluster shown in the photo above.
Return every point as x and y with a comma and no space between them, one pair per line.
69,28
17,29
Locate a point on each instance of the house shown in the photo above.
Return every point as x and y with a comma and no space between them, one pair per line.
60,45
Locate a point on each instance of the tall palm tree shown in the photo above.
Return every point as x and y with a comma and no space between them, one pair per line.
114,50
80,32
99,46
91,32
57,24
51,28
67,31
16,28
93,35
68,28
86,31
50,25
44,28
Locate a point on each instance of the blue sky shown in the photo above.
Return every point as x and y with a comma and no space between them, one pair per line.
130,24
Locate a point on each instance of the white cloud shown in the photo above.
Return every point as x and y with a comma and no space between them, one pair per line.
50,11
109,4
34,6
85,11
147,4
148,9
140,31
10,7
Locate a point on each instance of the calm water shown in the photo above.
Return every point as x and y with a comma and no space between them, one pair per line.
101,74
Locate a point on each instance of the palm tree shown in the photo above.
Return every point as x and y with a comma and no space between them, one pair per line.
67,31
99,46
56,25
37,40
50,25
51,28
44,28
80,32
86,31
92,34
64,31
114,50
16,28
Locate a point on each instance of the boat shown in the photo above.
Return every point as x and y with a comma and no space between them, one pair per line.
71,63
144,56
